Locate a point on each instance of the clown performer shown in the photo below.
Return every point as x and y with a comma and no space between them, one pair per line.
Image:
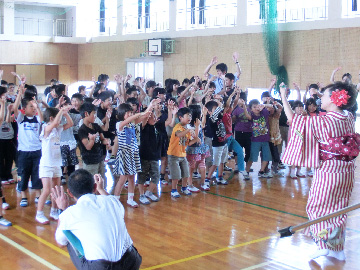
329,144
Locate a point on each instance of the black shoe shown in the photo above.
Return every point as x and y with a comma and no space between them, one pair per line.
226,168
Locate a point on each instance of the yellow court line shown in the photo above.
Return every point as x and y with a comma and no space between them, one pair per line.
209,253
52,246
28,252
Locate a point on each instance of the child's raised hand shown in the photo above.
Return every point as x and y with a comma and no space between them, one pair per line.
22,79
61,100
214,60
10,107
337,69
241,103
237,90
108,113
92,136
175,110
21,89
14,74
197,122
321,85
96,102
283,89
235,56
99,181
296,86
66,108
128,77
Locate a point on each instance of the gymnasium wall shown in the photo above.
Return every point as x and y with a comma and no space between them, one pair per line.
30,58
309,56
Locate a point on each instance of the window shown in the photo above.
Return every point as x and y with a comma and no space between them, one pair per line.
145,70
350,9
199,14
145,16
290,11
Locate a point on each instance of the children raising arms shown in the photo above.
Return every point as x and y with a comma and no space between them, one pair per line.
51,161
127,162
180,139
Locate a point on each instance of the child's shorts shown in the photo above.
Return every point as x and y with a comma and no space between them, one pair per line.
48,171
179,167
220,154
98,168
68,156
255,150
196,158
149,168
28,166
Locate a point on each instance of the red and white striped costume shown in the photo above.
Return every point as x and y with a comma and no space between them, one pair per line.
333,179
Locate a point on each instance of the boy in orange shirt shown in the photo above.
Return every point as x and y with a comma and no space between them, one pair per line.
180,139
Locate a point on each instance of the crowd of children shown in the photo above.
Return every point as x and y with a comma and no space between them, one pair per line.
188,128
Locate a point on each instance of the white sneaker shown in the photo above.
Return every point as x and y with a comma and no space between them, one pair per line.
185,191
126,184
147,183
63,181
164,182
5,206
221,181
300,175
36,199
213,175
107,158
40,217
54,214
205,187
268,175
5,222
246,175
151,196
193,189
48,202
196,175
132,203
175,194
144,200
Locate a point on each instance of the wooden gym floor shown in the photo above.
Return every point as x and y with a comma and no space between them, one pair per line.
229,227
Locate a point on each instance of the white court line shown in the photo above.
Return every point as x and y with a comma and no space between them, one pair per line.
28,252
257,266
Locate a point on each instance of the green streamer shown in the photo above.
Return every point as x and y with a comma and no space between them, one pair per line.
268,14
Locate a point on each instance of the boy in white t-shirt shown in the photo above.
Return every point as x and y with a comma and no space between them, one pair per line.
29,148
